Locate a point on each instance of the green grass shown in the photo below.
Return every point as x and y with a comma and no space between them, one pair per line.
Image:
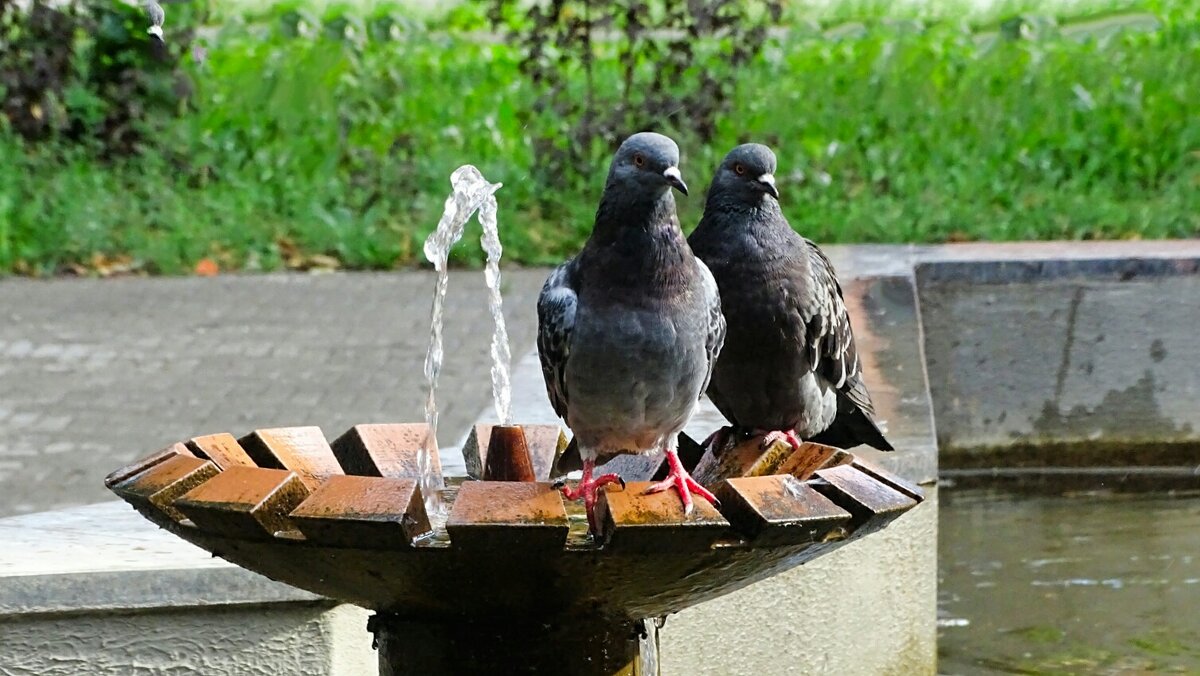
300,147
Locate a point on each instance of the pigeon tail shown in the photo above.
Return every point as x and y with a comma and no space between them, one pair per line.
852,427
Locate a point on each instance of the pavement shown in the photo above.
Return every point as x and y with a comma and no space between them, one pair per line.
95,373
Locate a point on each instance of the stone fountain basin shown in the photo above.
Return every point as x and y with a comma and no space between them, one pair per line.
370,520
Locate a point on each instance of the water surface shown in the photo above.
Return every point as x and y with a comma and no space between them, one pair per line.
1076,584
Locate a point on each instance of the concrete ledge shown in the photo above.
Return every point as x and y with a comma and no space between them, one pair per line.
75,583
869,608
1077,362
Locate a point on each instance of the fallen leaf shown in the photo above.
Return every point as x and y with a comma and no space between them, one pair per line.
207,267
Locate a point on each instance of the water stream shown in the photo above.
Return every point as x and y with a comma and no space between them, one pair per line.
471,193
501,356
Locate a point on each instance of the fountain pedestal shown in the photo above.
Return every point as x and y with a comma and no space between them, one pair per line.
492,575
584,646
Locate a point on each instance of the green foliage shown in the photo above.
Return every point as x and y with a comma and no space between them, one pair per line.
602,70
86,72
333,133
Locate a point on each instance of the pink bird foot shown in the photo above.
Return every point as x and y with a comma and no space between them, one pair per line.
588,488
788,436
683,483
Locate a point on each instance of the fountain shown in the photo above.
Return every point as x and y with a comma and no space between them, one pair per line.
499,575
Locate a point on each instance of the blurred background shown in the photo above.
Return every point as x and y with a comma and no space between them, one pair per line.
303,135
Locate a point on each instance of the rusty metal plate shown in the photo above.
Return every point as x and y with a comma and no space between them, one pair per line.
508,514
741,458
805,461
778,510
872,503
635,521
303,450
245,502
144,464
160,484
892,479
545,442
223,449
390,450
365,512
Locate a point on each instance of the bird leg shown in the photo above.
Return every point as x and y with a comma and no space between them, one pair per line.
787,436
683,483
587,490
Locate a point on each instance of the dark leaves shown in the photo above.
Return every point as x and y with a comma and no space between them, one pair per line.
675,62
86,71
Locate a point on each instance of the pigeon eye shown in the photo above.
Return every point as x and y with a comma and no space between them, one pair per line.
639,160
740,169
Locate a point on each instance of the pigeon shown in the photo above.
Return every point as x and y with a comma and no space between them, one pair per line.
629,329
154,12
789,368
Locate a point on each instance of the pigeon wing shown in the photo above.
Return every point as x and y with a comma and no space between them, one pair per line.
828,336
716,321
556,321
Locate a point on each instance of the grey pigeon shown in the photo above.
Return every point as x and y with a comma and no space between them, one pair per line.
789,366
154,12
629,329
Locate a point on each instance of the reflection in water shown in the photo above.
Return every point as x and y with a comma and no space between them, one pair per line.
1068,585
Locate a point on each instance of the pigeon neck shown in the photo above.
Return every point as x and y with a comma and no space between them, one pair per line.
764,209
622,217
637,245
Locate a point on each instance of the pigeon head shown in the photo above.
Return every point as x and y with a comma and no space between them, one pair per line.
646,165
746,175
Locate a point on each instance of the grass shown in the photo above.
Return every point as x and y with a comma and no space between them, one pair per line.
307,147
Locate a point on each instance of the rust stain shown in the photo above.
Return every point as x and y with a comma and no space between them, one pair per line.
508,456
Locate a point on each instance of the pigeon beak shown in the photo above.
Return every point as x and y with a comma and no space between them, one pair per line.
768,184
675,179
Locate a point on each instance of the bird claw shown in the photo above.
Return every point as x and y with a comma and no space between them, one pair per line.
684,485
787,436
588,488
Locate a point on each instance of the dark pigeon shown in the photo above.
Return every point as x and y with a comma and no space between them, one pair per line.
789,366
629,329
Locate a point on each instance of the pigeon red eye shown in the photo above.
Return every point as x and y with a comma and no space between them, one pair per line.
740,169
639,160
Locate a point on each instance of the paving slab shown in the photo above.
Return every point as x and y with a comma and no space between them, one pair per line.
96,373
